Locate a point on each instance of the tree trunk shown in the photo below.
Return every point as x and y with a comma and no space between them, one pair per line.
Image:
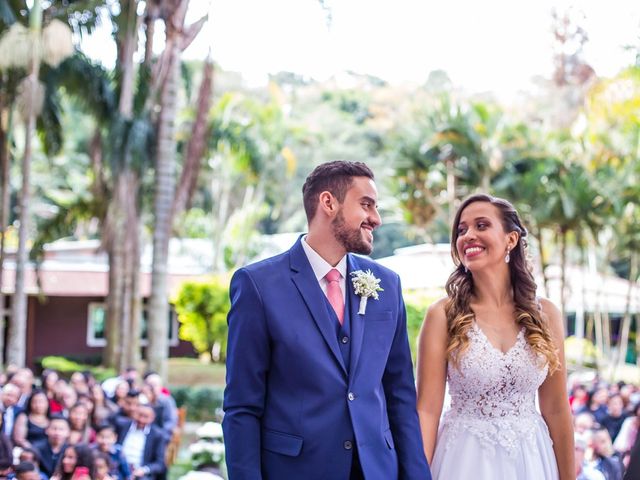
158,349
17,339
5,197
122,223
626,321
537,234
127,48
157,327
563,278
197,144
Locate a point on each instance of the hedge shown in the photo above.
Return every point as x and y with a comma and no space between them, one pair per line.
203,403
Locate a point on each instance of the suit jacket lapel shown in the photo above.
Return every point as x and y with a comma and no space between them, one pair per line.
357,321
306,283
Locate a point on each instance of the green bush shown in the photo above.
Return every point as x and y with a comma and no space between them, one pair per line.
66,367
202,309
416,305
203,404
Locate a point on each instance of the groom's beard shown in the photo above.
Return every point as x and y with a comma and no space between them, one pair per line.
350,238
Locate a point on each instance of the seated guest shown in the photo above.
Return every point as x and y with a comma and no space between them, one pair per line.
30,456
102,406
81,431
143,444
162,402
48,380
615,416
102,466
76,464
106,443
6,447
583,422
31,424
128,406
9,406
23,379
50,450
6,469
27,471
633,469
606,460
628,433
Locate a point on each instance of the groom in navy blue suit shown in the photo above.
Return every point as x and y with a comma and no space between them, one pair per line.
318,386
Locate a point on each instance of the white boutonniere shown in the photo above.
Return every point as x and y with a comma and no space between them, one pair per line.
365,285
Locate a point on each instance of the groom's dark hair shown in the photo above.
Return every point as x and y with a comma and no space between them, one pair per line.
335,177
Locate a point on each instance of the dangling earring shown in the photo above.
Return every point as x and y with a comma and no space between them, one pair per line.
466,270
507,257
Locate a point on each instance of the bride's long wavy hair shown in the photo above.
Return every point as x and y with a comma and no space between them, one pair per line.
460,289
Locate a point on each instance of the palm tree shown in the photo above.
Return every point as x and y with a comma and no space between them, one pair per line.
50,45
177,39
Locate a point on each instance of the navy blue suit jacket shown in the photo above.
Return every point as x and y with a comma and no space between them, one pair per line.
292,409
153,456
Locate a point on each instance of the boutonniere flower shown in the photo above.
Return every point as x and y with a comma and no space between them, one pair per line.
365,285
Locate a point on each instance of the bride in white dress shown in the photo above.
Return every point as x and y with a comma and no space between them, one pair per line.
496,345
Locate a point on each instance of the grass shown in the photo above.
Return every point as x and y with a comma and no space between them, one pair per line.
194,373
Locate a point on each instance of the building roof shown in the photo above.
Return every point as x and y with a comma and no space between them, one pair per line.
427,267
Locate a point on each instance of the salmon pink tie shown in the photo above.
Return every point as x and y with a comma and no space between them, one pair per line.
334,293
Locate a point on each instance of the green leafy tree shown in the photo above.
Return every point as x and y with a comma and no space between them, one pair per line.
202,309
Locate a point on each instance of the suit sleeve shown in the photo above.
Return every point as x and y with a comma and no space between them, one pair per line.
248,357
400,392
156,464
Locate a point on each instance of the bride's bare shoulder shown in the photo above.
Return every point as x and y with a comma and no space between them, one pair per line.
436,313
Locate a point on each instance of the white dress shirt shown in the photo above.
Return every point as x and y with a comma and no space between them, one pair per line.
134,443
321,267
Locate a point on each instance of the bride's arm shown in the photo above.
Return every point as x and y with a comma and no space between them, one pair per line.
554,402
431,374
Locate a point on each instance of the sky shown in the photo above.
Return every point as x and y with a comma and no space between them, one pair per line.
489,45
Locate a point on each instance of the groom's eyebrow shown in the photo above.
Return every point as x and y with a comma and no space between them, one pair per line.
369,199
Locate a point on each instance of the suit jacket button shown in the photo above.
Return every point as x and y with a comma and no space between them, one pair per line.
344,339
348,445
351,396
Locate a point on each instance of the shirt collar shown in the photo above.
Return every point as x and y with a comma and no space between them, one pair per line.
134,427
319,265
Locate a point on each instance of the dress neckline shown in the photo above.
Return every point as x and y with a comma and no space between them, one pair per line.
519,338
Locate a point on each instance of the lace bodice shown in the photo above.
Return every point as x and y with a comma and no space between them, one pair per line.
493,393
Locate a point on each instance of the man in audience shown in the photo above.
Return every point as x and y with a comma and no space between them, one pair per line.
163,404
50,449
23,379
27,471
143,444
10,410
128,408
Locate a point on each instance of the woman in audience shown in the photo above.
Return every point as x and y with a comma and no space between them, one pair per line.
48,380
103,408
102,466
31,424
628,433
81,431
76,464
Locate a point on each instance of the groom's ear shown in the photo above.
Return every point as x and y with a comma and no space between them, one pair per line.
328,203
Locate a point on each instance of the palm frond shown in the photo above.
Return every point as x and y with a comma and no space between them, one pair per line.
88,83
142,90
187,79
48,123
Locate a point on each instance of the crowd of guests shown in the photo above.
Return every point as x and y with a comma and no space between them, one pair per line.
81,429
606,420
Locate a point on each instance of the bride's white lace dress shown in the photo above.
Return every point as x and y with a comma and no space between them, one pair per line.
493,430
